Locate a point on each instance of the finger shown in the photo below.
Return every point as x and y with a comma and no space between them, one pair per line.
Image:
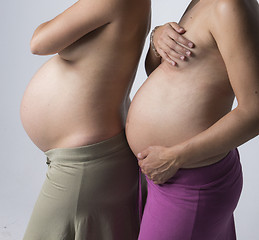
141,165
143,171
167,58
178,37
181,41
156,180
142,168
159,181
177,27
177,48
143,154
145,168
153,177
168,54
173,50
149,177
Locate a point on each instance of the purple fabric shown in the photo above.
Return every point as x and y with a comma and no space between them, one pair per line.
196,204
139,196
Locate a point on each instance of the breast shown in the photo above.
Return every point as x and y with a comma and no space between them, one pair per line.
171,107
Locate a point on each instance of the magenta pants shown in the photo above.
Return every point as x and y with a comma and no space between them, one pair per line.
195,204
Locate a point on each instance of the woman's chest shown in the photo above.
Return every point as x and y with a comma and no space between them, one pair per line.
196,21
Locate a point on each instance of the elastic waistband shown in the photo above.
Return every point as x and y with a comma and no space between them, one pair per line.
89,152
208,174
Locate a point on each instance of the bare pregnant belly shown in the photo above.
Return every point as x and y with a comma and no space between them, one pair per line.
58,106
171,108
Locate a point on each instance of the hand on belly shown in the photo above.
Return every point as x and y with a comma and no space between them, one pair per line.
157,164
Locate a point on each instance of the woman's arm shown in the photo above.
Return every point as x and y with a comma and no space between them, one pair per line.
240,51
79,19
165,40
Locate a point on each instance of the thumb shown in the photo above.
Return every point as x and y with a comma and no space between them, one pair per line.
143,154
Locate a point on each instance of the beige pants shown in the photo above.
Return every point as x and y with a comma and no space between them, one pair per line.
90,193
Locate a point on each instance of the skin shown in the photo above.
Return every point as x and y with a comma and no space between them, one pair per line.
169,45
188,121
81,95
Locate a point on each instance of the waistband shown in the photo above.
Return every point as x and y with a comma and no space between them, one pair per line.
207,174
89,152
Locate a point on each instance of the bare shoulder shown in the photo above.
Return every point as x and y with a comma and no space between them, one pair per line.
226,4
235,18
108,6
233,9
234,25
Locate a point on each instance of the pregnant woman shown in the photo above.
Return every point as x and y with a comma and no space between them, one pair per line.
74,110
181,126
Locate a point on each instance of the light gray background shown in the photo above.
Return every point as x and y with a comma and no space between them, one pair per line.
22,169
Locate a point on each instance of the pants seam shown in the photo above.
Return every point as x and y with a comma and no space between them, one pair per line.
196,213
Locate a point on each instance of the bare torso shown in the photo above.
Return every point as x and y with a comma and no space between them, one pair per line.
177,103
80,96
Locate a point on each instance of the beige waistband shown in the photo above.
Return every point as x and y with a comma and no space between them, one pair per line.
89,152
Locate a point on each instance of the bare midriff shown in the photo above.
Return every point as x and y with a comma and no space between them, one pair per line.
177,103
80,96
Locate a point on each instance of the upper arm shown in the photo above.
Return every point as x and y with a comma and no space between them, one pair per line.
81,18
235,28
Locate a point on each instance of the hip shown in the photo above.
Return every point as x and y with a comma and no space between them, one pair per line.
222,174
107,166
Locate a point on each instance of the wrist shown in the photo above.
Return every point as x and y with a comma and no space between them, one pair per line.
180,155
152,45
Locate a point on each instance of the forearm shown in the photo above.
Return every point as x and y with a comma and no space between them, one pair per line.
152,61
231,131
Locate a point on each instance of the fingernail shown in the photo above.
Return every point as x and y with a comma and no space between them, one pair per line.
190,44
139,155
182,57
181,29
188,53
173,63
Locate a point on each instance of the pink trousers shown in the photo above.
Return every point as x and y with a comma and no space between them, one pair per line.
196,204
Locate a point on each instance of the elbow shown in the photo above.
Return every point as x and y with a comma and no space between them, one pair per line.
148,68
151,63
255,117
148,71
37,48
252,116
39,44
34,50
